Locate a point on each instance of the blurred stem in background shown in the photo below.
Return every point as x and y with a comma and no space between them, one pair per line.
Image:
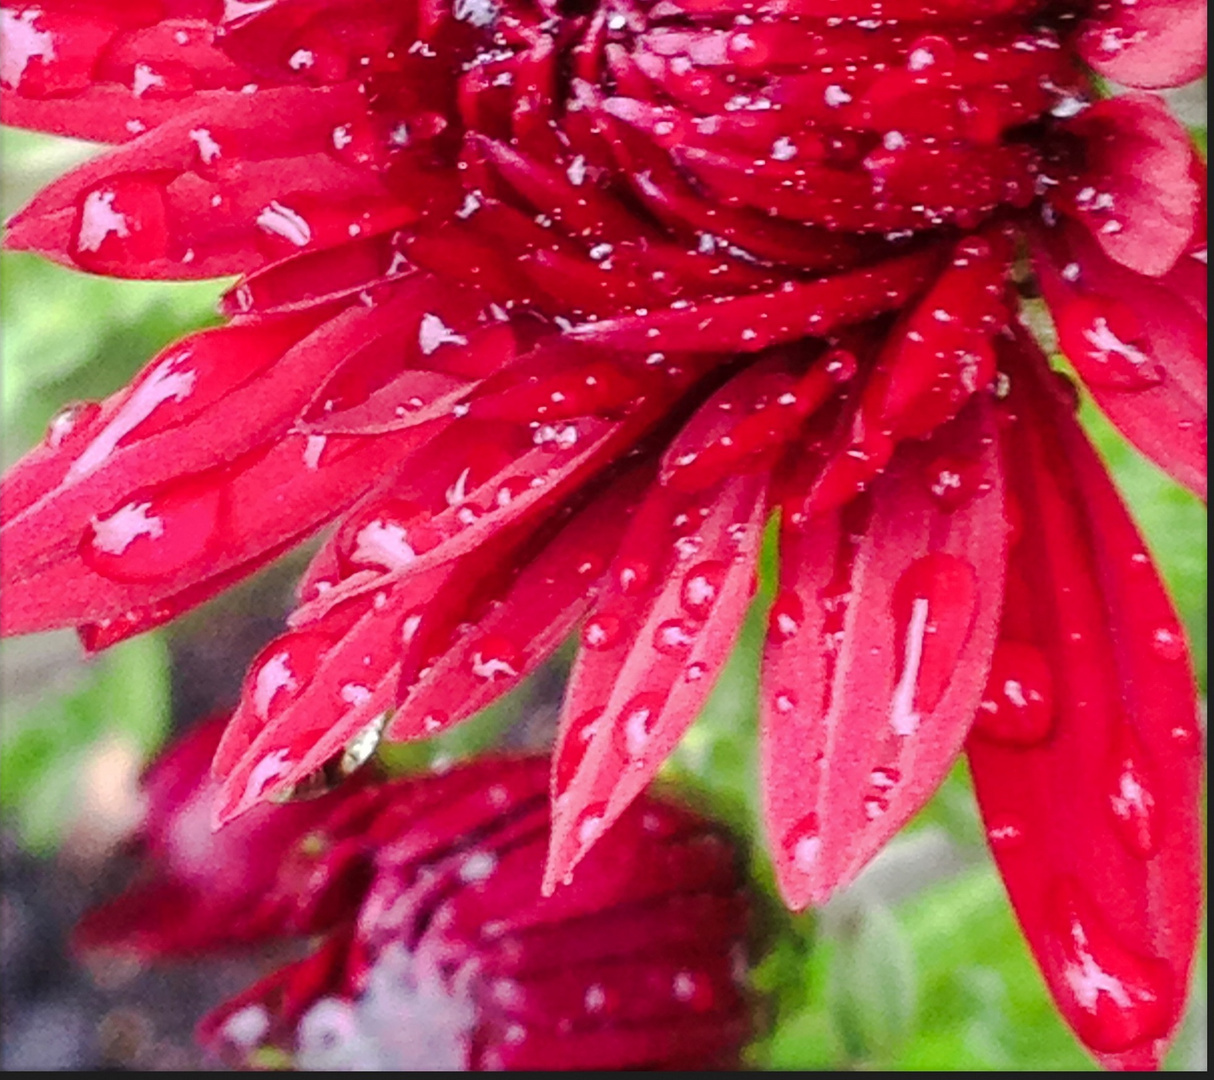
919,965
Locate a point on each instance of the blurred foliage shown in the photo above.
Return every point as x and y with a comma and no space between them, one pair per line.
930,974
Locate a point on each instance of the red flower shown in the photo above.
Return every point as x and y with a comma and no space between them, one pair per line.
439,950
551,307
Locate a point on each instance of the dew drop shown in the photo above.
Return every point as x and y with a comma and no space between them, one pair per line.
787,614
496,657
1117,998
694,990
590,824
602,631
803,845
875,806
1018,705
1168,643
933,605
673,637
69,421
1004,833
1131,798
884,777
953,481
633,577
573,746
701,587
639,717
154,537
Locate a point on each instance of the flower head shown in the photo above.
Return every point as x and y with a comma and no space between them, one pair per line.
438,949
551,307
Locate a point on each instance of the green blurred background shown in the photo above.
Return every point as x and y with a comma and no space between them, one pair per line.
918,966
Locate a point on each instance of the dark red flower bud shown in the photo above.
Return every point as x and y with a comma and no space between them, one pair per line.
440,950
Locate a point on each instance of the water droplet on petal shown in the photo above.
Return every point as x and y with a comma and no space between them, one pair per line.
933,605
637,722
953,481
602,631
154,537
1131,798
694,990
589,825
121,225
572,749
1115,997
875,806
633,577
70,421
884,777
787,614
701,586
1168,643
1018,705
496,657
802,843
673,636
282,671
1004,833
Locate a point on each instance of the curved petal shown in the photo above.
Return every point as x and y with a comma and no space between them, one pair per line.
1086,756
1139,344
1147,43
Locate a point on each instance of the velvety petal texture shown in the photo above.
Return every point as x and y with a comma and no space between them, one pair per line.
554,315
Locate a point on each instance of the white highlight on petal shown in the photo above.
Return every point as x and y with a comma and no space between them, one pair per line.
902,715
98,219
113,535
165,383
433,332
23,42
283,221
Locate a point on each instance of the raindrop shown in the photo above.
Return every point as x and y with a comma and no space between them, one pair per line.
154,537
673,636
1132,801
589,825
701,587
601,631
573,746
282,672
1168,643
933,605
69,421
1003,833
1018,705
639,717
802,844
885,777
875,806
496,657
1118,998
953,481
787,614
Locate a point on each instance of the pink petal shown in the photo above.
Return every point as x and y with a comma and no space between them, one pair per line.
1148,43
1138,190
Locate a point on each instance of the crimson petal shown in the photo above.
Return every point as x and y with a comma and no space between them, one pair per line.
877,653
1086,757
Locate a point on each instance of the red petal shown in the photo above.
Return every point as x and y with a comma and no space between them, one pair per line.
751,323
1140,347
877,655
651,650
1093,816
252,179
524,624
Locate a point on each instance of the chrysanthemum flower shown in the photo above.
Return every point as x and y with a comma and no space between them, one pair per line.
551,307
437,948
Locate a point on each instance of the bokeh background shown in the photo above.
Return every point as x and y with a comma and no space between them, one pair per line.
919,965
